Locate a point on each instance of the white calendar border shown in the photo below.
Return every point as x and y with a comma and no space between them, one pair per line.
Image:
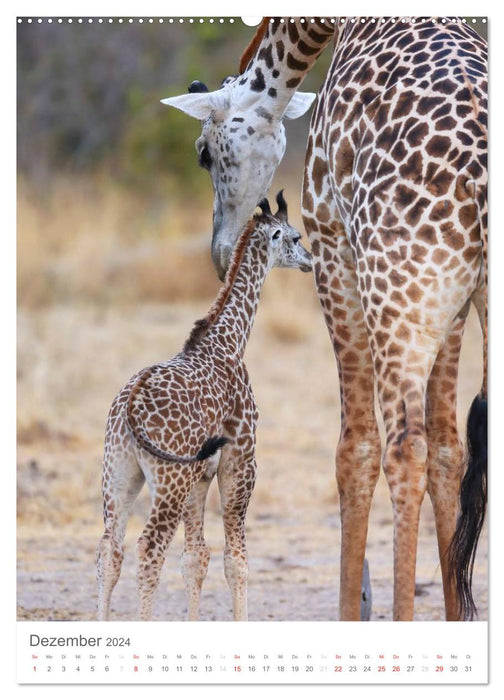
10,626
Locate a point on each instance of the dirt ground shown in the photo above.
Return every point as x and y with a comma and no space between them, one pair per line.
72,360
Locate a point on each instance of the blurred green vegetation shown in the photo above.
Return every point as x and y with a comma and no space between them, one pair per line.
153,145
89,96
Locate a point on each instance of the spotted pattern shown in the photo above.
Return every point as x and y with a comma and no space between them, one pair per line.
172,409
395,206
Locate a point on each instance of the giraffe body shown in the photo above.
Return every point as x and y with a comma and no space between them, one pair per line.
394,204
398,219
162,426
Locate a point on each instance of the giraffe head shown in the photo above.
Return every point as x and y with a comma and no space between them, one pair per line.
282,241
241,144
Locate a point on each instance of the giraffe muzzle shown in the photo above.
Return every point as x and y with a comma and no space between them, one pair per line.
306,265
220,258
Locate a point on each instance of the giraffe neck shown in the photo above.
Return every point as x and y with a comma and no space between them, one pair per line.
227,325
280,55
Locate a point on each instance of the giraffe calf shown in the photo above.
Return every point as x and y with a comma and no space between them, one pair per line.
177,424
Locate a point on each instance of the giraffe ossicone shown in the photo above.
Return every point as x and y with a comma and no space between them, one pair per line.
177,424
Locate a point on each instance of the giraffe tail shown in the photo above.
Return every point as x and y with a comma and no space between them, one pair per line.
209,447
473,501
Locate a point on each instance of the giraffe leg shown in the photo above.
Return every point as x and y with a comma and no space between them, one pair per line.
236,476
359,449
402,388
196,554
122,482
169,495
405,466
357,470
405,347
445,457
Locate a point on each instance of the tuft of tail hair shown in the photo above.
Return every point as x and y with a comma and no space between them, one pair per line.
473,502
210,447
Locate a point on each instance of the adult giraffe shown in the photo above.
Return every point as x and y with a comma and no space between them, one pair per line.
394,204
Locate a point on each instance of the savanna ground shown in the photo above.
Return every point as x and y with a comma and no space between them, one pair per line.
105,290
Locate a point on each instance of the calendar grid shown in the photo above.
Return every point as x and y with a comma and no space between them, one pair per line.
310,653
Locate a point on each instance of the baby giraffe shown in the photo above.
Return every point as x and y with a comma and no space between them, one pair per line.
178,423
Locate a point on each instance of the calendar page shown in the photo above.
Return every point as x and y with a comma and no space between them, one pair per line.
228,472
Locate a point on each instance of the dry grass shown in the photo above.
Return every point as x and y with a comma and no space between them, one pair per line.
90,241
287,306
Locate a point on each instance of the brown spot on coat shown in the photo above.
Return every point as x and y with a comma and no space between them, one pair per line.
412,168
451,237
467,215
427,233
439,184
441,210
438,146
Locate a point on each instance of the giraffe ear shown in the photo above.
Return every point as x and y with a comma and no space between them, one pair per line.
200,104
299,104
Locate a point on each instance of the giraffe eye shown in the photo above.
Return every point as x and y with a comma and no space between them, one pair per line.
205,160
276,235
